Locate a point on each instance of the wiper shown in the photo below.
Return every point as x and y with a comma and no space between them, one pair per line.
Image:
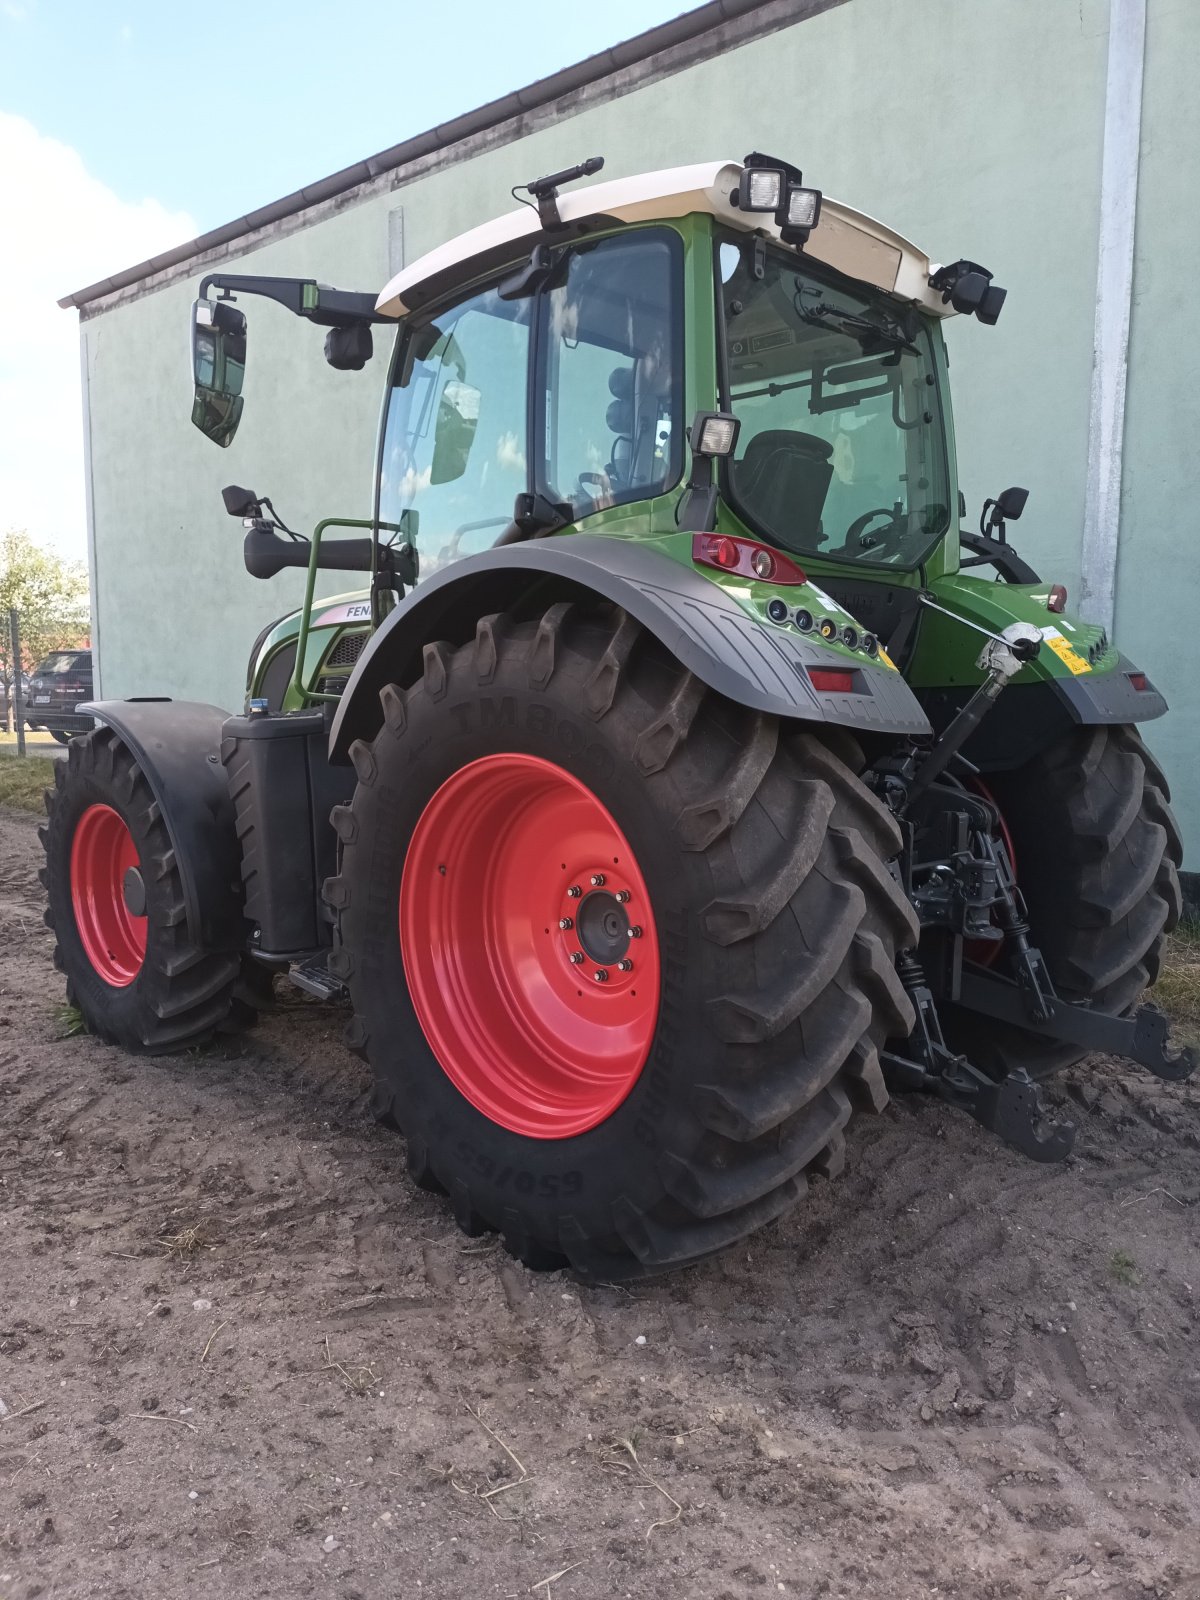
887,333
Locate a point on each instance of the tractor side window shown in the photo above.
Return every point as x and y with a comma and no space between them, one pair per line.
454,441
610,342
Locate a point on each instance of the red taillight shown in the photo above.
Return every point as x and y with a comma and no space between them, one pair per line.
1056,600
1140,681
745,557
831,680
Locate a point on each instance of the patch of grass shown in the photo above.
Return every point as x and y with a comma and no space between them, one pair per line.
68,1021
1178,988
1120,1266
23,781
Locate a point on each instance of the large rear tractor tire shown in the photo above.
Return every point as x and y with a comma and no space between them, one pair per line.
116,907
621,953
1097,853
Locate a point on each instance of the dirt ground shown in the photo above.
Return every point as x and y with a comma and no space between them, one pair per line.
950,1373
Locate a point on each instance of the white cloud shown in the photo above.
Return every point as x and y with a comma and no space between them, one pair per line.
63,229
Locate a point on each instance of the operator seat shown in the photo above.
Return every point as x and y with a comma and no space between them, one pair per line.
620,421
782,480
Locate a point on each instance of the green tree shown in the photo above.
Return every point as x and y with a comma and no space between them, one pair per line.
50,596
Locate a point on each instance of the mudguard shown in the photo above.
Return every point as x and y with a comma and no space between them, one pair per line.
1028,717
177,744
751,663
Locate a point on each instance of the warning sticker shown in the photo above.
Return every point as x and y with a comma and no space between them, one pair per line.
1066,652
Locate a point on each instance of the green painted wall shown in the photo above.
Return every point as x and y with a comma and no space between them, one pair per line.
975,129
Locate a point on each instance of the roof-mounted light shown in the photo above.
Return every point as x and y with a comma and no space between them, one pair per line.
767,184
968,287
760,189
803,207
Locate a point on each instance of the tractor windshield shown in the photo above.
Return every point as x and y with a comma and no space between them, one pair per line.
842,449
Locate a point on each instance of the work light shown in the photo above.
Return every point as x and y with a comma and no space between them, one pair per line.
761,189
803,207
713,433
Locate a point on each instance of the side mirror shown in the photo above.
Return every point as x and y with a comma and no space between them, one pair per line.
457,420
1011,503
1007,508
218,368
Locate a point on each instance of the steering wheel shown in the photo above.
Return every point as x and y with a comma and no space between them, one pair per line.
598,488
889,538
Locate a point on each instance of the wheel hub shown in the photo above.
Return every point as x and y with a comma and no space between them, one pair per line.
134,890
602,929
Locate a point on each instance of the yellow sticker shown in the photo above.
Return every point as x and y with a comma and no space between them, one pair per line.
886,659
1065,652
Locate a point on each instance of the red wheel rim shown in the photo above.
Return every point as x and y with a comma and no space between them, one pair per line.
113,938
518,889
983,952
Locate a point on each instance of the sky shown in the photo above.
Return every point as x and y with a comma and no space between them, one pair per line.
128,128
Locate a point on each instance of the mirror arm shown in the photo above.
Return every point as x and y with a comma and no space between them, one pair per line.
329,308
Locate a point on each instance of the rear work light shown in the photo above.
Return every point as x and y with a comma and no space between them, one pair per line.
745,557
831,680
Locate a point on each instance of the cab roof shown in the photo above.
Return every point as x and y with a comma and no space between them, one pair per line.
845,239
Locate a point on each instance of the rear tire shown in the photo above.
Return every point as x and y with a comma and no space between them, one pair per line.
141,982
1097,858
776,917
63,738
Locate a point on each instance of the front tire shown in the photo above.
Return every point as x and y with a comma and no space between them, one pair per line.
136,974
632,1131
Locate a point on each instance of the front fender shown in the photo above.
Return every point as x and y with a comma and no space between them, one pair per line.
761,667
177,744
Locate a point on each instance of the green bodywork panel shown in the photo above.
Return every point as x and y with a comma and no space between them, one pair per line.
945,652
322,643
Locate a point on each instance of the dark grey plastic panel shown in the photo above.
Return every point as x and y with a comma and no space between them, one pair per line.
1110,697
755,664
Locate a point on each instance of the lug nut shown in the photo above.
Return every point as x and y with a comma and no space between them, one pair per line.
635,933
622,896
597,880
576,957
625,966
565,923
574,891
600,975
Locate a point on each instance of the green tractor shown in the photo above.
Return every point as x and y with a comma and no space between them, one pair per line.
684,776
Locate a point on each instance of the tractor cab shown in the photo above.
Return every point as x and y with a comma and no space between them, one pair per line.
710,350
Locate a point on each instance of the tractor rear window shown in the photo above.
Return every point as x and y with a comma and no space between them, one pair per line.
842,445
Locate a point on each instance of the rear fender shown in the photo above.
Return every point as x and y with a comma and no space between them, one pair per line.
764,669
177,744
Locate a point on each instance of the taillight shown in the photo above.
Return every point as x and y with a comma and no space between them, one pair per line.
745,557
1056,600
1140,681
831,680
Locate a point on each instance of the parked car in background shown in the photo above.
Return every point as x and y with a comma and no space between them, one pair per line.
5,707
58,685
